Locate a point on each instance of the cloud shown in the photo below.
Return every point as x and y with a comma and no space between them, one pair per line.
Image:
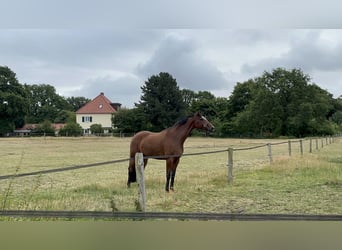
317,52
171,14
119,61
79,62
84,48
182,58
124,89
308,51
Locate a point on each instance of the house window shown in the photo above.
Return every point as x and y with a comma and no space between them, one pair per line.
87,119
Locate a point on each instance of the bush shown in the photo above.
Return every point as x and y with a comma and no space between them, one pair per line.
71,129
44,128
96,129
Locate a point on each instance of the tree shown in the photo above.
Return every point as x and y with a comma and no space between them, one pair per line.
281,102
13,101
65,116
291,88
240,97
205,102
188,97
130,121
45,103
161,101
77,102
337,117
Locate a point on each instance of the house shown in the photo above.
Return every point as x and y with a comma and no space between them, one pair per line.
98,111
27,129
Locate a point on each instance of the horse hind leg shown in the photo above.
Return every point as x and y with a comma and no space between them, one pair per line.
145,162
132,176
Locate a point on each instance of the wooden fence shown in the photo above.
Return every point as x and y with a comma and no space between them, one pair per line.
313,143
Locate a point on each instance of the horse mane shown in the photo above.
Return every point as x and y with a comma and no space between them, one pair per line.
182,121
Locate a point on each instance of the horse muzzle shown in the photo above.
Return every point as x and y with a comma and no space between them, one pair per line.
210,128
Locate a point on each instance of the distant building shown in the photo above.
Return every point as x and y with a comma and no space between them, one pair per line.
98,111
29,128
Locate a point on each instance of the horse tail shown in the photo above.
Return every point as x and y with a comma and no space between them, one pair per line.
132,176
134,148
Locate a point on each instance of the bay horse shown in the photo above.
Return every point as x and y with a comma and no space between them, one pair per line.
167,145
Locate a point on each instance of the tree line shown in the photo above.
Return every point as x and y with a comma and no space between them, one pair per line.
278,103
36,103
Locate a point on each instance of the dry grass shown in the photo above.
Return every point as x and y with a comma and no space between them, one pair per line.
299,184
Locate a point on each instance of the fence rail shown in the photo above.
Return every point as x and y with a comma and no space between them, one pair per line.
55,170
166,215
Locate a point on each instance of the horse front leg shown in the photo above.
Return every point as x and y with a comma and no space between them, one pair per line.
169,164
168,176
173,173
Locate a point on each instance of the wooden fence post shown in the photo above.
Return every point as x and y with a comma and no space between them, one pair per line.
270,152
316,143
322,142
301,146
230,165
289,148
310,146
139,167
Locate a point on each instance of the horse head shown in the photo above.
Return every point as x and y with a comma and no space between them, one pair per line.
200,122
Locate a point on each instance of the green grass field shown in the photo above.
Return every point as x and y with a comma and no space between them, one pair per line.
308,184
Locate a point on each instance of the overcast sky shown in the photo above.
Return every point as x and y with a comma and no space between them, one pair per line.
84,60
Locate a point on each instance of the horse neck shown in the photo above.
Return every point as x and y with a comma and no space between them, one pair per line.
182,132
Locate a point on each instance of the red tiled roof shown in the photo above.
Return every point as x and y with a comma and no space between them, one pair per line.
31,126
58,126
99,105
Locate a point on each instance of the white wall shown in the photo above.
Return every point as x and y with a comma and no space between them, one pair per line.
104,119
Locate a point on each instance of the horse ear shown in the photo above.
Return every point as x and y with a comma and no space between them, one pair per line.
198,113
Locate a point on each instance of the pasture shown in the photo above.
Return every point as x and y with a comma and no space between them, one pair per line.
308,184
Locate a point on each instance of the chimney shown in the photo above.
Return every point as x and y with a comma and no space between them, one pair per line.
116,106
101,93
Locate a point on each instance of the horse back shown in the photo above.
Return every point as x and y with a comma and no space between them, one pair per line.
148,143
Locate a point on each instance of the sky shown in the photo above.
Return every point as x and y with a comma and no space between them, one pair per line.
85,56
